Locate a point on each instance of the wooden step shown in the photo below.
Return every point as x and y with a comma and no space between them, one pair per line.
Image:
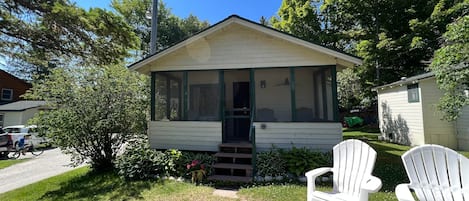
237,145
232,166
229,178
232,155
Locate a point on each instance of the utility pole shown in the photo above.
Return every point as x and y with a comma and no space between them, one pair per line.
154,23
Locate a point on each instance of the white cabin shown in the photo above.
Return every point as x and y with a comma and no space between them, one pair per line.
240,81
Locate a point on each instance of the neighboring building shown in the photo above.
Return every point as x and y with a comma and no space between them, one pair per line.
236,75
408,114
18,113
11,88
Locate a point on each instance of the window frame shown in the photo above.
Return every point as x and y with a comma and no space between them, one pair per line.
11,94
411,90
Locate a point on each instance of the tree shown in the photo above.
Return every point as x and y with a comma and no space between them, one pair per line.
93,111
348,89
35,32
171,29
300,18
451,67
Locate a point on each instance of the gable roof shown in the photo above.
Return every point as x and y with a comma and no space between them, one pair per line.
21,105
405,81
235,19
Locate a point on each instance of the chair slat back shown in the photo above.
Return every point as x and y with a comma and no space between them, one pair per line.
353,163
437,173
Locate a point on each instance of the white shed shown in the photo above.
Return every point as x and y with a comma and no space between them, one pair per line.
408,114
19,112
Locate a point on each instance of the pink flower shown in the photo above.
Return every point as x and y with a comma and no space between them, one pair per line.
195,162
188,166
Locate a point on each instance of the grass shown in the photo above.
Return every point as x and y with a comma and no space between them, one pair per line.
10,162
82,184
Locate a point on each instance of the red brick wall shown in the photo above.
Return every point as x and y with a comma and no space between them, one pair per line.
8,81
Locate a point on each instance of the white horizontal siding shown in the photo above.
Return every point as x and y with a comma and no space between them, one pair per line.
320,136
195,136
237,47
399,118
437,131
463,129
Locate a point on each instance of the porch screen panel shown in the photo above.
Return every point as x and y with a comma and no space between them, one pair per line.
273,95
168,96
203,96
313,94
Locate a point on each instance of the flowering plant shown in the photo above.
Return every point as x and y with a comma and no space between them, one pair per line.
197,170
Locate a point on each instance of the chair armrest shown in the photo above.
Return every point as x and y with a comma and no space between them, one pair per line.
372,185
311,177
403,193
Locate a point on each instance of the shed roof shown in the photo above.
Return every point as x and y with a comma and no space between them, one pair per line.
21,105
235,19
405,81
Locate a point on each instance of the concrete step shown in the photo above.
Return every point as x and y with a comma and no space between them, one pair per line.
229,178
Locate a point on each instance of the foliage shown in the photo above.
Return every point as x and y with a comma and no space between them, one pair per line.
197,171
39,35
171,29
9,162
300,160
395,38
93,111
451,68
188,157
348,89
140,162
270,163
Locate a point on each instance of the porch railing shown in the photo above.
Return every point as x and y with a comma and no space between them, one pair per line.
252,135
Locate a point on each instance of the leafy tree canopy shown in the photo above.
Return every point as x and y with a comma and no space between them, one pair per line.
395,38
451,68
93,111
171,29
34,33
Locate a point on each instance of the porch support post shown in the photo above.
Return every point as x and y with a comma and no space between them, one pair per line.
292,94
185,94
335,101
221,83
152,96
252,94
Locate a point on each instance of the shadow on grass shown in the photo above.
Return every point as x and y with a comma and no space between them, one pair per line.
98,186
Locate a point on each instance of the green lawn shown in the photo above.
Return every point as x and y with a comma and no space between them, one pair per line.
82,184
10,162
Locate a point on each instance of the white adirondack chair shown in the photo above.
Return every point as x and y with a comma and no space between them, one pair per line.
435,173
352,179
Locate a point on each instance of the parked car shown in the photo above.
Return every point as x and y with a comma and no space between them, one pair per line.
5,144
29,133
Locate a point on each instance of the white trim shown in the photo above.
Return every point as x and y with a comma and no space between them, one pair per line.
11,94
265,30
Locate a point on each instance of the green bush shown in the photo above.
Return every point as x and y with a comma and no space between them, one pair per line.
139,162
300,160
270,163
187,158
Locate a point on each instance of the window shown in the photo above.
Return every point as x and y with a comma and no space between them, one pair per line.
413,93
1,120
273,95
313,94
203,96
7,94
168,96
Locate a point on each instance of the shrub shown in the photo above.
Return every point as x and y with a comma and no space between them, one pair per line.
300,160
188,157
139,162
270,163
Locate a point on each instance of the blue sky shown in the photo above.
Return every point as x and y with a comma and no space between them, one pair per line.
210,10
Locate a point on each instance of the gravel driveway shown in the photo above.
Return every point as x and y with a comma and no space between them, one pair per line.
52,162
